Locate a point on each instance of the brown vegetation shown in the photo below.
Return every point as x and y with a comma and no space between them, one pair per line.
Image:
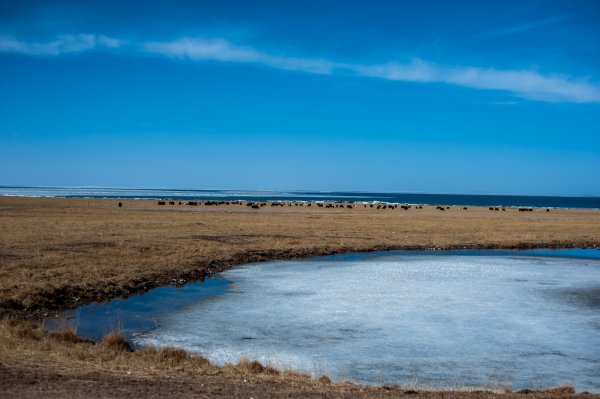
116,341
37,363
59,253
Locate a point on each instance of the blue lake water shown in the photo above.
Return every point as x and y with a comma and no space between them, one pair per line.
435,318
249,195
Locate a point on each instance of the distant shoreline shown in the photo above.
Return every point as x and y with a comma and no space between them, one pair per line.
512,201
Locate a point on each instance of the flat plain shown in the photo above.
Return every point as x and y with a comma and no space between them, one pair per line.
56,254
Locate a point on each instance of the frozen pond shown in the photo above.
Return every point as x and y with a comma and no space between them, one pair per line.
444,318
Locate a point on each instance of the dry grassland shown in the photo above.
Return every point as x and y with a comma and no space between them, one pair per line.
58,253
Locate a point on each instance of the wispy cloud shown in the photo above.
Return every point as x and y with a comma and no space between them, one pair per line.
524,26
528,84
61,45
223,50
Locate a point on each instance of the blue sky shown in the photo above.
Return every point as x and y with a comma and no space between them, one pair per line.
460,97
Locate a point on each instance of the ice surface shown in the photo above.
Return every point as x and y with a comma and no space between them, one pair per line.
434,320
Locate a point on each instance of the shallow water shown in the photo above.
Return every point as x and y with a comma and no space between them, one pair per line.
444,318
137,313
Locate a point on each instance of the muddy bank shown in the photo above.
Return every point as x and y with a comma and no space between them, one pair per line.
69,297
56,254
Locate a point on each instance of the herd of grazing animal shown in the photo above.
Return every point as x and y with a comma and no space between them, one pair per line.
258,205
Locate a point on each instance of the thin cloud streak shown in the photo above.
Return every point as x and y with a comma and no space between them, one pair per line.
62,45
524,27
527,84
223,50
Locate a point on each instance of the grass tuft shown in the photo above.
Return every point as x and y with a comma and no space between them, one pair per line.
65,335
116,341
173,355
271,370
561,390
256,367
26,330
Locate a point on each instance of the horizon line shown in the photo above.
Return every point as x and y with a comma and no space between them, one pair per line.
2,186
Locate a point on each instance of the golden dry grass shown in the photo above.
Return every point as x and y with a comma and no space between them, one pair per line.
59,253
37,363
116,341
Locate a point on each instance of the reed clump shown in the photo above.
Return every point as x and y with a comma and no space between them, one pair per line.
24,329
172,358
561,390
116,341
173,355
247,366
